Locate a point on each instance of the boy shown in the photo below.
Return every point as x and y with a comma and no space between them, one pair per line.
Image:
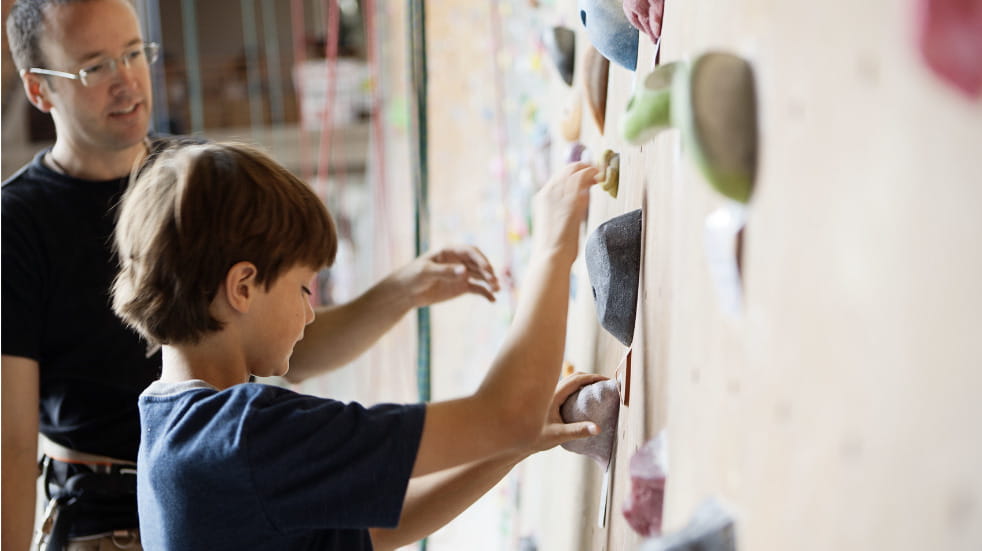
218,245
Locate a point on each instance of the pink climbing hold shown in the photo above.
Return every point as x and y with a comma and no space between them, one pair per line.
643,508
950,38
646,16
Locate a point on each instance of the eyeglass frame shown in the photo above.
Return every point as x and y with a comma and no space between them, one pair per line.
151,52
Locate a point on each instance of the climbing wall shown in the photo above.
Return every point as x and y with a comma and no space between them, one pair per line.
826,394
819,376
836,407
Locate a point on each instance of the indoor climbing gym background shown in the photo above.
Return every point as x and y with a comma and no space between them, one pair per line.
780,269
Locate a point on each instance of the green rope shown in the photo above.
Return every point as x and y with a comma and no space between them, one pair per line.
417,47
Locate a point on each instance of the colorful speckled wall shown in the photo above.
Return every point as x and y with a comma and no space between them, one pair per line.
835,406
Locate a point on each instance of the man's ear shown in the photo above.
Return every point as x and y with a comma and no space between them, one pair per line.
241,286
37,90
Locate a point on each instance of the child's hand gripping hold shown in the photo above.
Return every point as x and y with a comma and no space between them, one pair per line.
559,208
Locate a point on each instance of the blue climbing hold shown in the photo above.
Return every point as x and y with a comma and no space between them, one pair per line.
610,32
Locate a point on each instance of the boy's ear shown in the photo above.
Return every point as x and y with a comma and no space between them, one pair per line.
37,91
241,286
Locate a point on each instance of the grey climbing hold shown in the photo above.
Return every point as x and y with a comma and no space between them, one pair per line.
560,42
599,402
613,262
711,528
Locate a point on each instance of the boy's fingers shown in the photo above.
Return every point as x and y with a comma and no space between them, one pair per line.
574,382
574,431
573,168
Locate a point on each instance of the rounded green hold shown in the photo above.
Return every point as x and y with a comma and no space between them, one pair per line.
715,107
649,109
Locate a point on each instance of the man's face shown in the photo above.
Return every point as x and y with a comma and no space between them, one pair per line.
113,115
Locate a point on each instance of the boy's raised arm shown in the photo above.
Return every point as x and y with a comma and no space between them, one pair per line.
507,411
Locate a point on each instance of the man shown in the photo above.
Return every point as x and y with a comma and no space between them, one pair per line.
70,369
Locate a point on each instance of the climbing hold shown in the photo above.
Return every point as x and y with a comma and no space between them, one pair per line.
711,528
613,262
560,42
646,16
649,469
596,69
949,33
575,153
598,402
610,167
610,31
714,103
569,123
649,109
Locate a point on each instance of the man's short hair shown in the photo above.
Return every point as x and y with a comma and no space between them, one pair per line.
24,25
194,213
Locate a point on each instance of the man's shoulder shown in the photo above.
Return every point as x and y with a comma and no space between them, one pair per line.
24,177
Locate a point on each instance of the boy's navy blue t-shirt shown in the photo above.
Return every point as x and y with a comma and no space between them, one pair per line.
265,468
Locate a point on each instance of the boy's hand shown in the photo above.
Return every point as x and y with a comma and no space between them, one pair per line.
555,431
448,273
560,206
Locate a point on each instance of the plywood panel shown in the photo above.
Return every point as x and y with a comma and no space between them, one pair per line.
838,411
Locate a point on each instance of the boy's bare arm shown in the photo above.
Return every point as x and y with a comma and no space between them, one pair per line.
506,412
435,499
19,449
339,334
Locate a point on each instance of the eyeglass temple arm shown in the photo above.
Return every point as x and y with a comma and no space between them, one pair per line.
35,70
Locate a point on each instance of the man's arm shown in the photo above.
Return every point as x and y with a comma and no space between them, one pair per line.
339,334
19,445
434,500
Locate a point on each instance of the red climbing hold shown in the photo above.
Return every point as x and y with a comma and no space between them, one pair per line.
643,508
950,38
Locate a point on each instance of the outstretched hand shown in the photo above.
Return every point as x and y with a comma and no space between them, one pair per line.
559,208
448,273
555,431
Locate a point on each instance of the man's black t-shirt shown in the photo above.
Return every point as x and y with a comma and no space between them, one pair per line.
57,270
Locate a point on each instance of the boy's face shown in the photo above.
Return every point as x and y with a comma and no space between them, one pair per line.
112,115
278,318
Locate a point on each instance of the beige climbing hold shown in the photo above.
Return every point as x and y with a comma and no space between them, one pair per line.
595,72
572,115
610,168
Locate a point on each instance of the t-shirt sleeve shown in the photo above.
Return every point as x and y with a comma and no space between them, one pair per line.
22,280
323,464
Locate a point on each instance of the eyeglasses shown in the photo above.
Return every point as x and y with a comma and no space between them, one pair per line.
102,71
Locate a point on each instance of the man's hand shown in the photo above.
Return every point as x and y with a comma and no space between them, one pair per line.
555,431
447,273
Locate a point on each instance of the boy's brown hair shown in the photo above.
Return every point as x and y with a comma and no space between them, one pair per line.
195,212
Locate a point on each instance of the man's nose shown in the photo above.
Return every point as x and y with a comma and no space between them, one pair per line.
124,73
